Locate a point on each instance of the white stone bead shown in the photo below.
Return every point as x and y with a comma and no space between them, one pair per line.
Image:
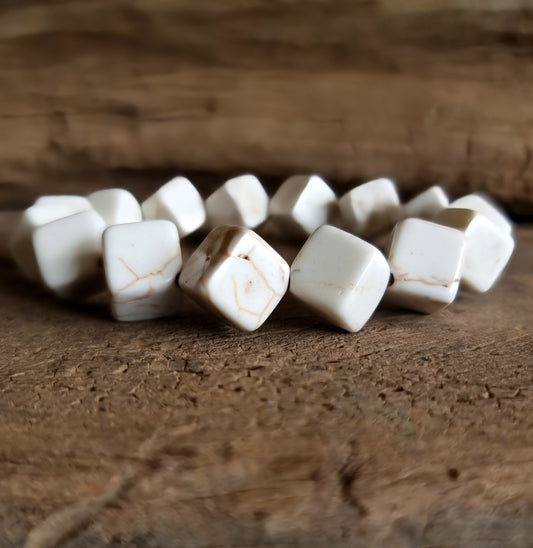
483,205
236,274
302,204
177,201
141,262
45,210
240,201
116,206
425,259
340,276
370,208
426,204
487,247
68,253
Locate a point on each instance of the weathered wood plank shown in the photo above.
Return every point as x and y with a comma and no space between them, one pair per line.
415,432
423,91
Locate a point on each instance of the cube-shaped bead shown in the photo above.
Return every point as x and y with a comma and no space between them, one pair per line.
45,210
237,275
370,208
425,259
177,201
340,276
487,247
116,206
302,204
69,253
426,204
141,262
240,201
483,205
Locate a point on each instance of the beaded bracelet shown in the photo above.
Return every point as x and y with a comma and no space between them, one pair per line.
60,241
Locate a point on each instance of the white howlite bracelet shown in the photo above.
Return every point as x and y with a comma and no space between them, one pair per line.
432,248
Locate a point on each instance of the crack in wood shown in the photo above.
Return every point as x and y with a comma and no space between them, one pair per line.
68,522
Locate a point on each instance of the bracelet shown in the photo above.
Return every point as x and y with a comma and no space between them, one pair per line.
434,246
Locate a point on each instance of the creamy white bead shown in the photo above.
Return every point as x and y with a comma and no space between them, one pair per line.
426,204
425,259
302,204
236,274
141,262
483,205
116,206
340,276
45,210
177,201
240,201
68,254
487,247
370,208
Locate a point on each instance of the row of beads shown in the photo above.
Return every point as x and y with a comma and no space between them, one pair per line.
238,275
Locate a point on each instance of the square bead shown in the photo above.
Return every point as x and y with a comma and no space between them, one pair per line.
425,259
488,248
340,276
237,275
240,201
370,208
116,206
484,206
177,201
45,210
69,252
426,204
141,276
302,204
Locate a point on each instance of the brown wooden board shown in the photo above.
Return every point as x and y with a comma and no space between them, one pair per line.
417,431
423,91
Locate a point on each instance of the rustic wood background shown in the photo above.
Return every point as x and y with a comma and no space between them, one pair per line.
105,92
415,432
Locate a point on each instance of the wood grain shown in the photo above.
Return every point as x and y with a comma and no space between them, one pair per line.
417,431
423,91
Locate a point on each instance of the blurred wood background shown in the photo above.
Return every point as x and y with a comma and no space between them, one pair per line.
183,433
105,92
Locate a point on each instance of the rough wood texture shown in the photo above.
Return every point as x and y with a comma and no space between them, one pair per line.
415,432
424,91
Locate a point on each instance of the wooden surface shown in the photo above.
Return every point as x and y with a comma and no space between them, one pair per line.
417,431
421,90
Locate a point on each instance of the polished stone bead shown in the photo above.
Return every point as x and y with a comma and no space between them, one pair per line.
141,262
116,206
45,210
237,275
302,204
488,248
340,276
426,204
240,201
68,253
425,259
483,205
177,201
370,208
